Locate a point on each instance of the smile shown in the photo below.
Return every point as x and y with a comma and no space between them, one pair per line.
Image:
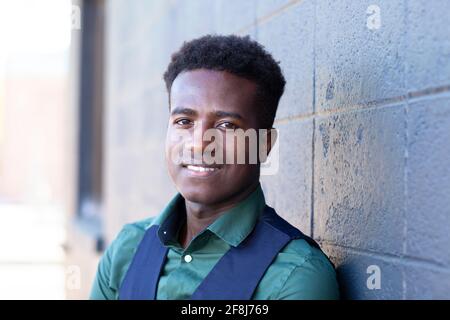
201,170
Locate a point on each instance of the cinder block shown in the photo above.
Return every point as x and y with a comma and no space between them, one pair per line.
128,20
359,179
121,127
153,114
192,19
289,191
358,273
428,177
289,37
357,59
428,44
265,8
233,15
136,43
424,282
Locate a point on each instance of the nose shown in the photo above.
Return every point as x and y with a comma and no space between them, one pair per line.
196,143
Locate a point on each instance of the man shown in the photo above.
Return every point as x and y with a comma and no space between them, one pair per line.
216,239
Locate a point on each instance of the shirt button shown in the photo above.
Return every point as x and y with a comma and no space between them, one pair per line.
188,258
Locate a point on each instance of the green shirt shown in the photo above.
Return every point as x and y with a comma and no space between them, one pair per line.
299,271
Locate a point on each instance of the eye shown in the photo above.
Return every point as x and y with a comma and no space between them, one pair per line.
227,125
183,122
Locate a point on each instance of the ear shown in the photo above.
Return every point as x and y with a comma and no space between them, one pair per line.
269,138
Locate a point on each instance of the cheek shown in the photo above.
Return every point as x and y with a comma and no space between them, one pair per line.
168,153
240,172
171,168
238,150
173,149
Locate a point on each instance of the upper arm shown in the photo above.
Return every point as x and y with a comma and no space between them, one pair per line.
101,289
115,261
314,279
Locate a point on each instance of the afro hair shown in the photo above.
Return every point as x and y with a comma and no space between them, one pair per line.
237,55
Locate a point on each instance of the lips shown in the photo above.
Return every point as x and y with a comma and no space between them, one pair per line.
201,170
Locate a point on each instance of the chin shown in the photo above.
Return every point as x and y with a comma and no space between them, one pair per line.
200,197
206,194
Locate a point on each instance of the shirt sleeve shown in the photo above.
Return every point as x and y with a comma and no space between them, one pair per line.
115,261
101,289
315,279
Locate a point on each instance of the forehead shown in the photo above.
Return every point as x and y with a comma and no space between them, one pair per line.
216,89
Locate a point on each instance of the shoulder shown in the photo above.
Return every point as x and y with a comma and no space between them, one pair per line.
300,251
123,247
301,271
132,233
311,275
116,259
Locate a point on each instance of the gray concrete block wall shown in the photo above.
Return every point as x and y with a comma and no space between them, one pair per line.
358,179
354,64
427,44
428,176
293,45
364,126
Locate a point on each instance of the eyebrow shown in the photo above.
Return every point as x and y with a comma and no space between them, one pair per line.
183,110
218,114
224,114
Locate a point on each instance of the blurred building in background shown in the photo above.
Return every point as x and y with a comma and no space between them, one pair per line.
364,126
34,48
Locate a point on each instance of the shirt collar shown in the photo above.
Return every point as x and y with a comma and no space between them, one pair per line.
171,220
233,226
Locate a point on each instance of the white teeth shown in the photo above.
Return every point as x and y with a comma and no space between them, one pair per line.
200,169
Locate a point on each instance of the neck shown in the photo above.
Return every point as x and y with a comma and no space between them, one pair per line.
199,216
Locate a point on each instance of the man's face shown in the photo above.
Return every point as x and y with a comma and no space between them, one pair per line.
216,101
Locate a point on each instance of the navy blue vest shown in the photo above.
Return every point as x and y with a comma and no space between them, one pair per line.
234,277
